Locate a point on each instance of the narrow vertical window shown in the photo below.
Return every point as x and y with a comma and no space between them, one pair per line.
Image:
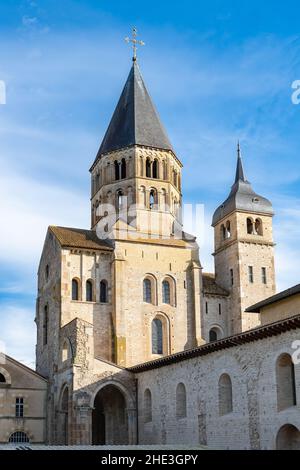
123,168
220,309
117,172
155,169
250,226
264,275
206,307
45,325
250,274
89,291
148,168
231,277
152,199
75,289
166,292
147,291
103,292
19,407
157,336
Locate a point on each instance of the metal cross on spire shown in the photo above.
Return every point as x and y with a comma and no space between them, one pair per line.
134,42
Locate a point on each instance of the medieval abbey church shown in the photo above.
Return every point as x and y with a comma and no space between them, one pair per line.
138,344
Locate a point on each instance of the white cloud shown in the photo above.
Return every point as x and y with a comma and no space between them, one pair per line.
18,332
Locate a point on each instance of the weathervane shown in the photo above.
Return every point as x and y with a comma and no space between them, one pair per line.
134,42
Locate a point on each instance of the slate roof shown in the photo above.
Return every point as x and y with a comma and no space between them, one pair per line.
256,334
242,197
274,298
135,120
210,286
79,238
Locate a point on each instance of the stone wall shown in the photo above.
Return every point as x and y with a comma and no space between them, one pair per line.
254,421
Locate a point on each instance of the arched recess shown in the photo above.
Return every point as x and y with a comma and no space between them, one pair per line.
63,416
6,375
66,351
285,382
181,408
215,333
147,406
113,416
225,395
288,438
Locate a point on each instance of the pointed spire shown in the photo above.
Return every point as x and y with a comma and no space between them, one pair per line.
135,120
239,175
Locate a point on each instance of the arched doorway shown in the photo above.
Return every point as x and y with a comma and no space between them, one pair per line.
109,418
288,438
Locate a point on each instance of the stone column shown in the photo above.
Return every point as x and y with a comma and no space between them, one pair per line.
83,431
196,287
119,312
132,426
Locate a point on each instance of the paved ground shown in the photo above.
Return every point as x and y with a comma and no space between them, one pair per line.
113,448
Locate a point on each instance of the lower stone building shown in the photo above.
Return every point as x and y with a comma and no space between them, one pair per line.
23,398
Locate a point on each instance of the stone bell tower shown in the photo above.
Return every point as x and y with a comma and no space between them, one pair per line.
244,257
136,172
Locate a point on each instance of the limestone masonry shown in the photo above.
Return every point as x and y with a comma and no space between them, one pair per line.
137,343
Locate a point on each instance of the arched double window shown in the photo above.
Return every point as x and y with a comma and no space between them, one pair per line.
180,401
75,289
103,292
157,336
147,291
225,395
147,406
89,294
285,378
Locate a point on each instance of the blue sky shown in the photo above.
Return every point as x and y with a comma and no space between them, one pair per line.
218,71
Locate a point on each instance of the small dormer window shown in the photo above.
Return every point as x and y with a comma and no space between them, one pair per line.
255,200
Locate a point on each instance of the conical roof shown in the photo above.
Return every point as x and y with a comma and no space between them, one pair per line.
135,120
